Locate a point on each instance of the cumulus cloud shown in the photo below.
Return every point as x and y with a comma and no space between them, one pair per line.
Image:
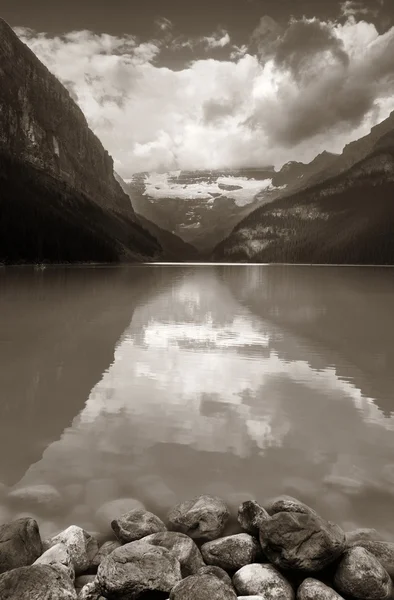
353,7
295,91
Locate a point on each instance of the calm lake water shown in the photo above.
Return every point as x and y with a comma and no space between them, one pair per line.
163,382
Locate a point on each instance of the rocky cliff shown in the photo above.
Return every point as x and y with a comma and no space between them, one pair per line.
55,173
346,219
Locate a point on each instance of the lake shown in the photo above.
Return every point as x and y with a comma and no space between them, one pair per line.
160,383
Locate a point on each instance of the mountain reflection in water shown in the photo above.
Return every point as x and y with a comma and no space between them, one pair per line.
240,381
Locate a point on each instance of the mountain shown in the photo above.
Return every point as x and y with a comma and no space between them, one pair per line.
297,174
59,200
174,248
201,207
348,218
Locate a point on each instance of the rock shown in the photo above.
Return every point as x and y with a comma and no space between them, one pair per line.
232,552
383,551
104,550
38,582
202,587
313,589
288,504
250,516
115,508
358,535
83,580
203,517
41,496
360,575
79,543
216,572
136,568
90,591
136,524
182,547
262,580
20,544
301,541
58,554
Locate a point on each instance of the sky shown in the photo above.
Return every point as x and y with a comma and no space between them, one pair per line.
225,84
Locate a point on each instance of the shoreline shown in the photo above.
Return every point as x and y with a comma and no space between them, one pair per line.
283,549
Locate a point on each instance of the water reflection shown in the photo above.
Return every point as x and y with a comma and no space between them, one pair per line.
233,380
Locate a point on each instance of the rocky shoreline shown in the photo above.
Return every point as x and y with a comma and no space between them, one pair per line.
284,551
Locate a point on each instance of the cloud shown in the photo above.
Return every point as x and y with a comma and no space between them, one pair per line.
163,24
353,7
296,91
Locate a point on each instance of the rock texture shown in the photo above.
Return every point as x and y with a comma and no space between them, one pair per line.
58,554
288,504
264,580
182,547
383,551
202,587
20,544
81,546
38,582
251,515
136,524
55,173
301,541
313,589
360,575
137,568
204,517
232,552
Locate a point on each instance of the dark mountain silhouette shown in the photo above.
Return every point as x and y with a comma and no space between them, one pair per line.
59,200
348,218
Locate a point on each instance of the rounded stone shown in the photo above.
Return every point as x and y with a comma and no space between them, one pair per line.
104,551
383,551
136,524
216,572
288,504
79,543
20,544
360,575
58,554
203,517
37,582
115,508
137,568
301,541
251,515
313,589
182,547
264,580
41,496
232,552
202,587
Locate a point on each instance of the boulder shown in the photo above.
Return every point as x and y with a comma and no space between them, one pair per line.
137,568
104,550
81,546
358,535
37,582
113,509
383,551
301,541
313,589
288,504
136,524
250,516
20,544
90,591
216,572
58,554
232,552
182,547
203,517
264,580
360,575
202,587
40,496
